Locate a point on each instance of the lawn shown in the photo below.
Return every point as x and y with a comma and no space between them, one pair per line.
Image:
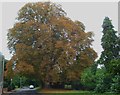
71,92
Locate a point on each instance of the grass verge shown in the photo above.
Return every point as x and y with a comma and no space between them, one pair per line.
71,92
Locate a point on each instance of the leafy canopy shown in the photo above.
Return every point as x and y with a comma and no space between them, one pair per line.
47,44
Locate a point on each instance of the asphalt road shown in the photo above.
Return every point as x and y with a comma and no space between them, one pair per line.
23,91
26,91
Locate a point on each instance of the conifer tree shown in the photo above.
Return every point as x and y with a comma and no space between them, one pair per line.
109,43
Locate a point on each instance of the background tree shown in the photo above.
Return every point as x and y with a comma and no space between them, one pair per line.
110,58
48,45
110,44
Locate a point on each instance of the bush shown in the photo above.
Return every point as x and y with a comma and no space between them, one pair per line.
115,85
77,85
11,87
6,83
88,79
100,87
68,86
103,84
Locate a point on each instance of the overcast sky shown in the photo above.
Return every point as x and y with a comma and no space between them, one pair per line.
90,13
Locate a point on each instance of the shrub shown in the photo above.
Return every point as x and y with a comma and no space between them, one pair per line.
88,79
103,84
115,85
11,87
68,86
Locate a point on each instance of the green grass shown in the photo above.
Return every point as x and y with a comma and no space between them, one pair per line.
80,93
71,92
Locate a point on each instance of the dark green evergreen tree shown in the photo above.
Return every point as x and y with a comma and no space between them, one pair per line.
109,43
109,58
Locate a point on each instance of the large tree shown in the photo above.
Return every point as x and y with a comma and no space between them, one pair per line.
44,39
110,58
110,43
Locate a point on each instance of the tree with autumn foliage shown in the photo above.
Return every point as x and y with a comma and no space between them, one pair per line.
48,45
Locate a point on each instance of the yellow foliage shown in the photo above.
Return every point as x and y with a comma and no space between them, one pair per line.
59,44
24,68
46,42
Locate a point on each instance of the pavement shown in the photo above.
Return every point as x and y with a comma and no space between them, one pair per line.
23,91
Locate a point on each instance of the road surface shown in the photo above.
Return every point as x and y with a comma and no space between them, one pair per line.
24,91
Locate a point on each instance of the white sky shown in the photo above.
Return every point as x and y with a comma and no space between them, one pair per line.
90,13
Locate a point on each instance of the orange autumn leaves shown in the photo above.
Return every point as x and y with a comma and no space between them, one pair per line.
48,44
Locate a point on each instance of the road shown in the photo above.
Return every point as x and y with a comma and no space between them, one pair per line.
23,91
